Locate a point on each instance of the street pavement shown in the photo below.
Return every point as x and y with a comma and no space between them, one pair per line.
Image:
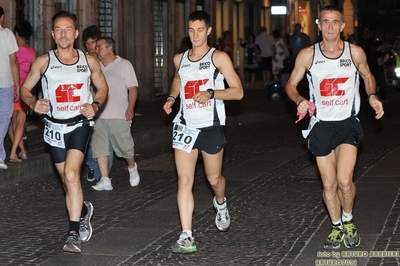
273,194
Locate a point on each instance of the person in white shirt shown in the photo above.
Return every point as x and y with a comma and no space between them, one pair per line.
266,43
9,80
113,125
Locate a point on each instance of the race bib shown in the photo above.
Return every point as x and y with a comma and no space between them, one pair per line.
53,134
184,137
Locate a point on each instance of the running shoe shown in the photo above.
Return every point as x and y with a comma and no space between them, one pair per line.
184,244
90,175
334,238
73,243
85,228
134,177
351,237
222,219
103,184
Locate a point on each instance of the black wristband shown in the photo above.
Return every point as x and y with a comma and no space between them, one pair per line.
371,94
171,97
98,105
211,92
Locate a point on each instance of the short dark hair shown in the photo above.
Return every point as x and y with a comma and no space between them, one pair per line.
202,16
65,14
109,41
91,32
24,29
276,33
251,35
1,11
332,8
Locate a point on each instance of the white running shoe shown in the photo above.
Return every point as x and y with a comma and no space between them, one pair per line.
185,244
85,228
222,219
3,165
134,177
103,184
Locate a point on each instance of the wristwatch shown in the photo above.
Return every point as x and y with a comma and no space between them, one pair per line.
211,92
98,105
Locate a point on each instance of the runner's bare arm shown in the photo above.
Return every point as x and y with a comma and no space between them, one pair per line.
235,91
360,60
37,69
303,62
175,87
98,80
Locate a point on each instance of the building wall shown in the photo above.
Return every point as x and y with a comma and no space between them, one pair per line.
133,27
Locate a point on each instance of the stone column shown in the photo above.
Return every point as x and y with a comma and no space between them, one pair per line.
138,41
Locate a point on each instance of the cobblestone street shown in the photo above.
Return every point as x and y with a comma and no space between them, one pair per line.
273,193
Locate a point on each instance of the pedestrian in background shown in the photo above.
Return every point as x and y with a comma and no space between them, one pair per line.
90,36
199,123
333,68
298,40
26,55
69,109
352,39
113,125
9,82
226,44
266,43
377,65
251,52
281,52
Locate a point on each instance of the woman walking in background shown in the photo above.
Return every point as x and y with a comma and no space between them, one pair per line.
281,52
26,55
251,52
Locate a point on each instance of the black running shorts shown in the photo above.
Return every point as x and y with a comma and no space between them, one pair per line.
325,136
77,139
211,140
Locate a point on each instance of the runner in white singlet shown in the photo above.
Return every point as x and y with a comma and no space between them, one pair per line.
198,81
69,109
333,68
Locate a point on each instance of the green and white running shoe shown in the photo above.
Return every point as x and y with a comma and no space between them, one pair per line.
334,238
351,237
222,219
185,244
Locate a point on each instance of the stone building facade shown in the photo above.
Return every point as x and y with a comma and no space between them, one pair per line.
150,32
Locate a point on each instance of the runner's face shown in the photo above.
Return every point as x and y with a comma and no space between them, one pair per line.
198,32
64,32
331,25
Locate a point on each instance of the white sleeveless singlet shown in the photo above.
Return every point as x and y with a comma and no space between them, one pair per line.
66,86
199,76
334,85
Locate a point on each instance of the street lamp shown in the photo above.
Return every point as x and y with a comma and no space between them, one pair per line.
278,10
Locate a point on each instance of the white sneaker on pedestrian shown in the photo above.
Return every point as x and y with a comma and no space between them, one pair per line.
3,165
134,177
103,184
